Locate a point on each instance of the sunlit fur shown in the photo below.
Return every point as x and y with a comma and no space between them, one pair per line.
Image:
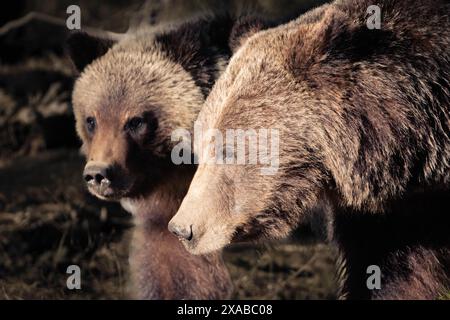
364,129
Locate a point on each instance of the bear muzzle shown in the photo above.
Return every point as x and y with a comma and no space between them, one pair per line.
101,180
181,232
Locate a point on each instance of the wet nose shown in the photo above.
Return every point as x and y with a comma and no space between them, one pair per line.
182,232
96,174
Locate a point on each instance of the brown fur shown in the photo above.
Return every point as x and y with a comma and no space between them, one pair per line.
160,266
364,127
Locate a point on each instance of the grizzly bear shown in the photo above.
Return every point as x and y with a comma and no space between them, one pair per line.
130,95
364,132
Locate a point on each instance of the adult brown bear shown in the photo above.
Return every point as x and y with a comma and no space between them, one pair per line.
364,131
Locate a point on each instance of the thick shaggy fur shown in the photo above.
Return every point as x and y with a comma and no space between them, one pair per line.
364,126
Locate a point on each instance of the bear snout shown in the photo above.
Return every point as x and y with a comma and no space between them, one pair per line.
98,178
96,174
182,232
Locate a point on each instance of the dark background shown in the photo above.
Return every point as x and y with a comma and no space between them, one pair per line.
48,220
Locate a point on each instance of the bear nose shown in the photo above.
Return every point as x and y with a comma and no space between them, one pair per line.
180,231
96,174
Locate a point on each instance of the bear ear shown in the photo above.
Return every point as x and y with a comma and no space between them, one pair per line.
83,48
312,41
335,34
244,28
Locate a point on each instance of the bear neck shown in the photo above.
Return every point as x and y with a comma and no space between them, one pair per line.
159,205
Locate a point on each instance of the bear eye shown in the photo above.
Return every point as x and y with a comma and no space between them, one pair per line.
134,124
90,124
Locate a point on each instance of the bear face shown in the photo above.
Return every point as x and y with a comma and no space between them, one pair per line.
355,127
126,104
250,204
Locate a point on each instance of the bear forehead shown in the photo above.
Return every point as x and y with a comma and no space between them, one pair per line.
121,76
133,68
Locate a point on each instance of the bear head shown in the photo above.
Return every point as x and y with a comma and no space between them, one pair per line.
127,100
